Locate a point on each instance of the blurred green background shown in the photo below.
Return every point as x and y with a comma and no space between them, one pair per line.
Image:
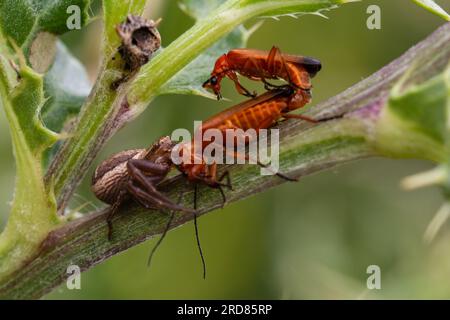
312,239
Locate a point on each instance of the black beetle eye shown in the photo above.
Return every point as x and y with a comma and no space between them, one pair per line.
214,80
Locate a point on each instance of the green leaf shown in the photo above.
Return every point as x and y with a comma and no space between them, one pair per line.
415,122
423,106
55,14
27,99
199,8
66,87
157,76
21,20
292,8
433,7
33,210
190,79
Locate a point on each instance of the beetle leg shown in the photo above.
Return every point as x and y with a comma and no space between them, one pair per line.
274,61
271,86
212,172
195,172
299,116
247,157
217,183
276,65
239,87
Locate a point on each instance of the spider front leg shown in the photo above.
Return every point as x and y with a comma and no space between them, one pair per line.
146,193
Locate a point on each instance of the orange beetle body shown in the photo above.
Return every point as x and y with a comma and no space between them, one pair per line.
258,113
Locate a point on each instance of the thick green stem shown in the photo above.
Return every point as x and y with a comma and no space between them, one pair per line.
304,149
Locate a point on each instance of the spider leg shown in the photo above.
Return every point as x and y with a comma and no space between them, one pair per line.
149,199
151,194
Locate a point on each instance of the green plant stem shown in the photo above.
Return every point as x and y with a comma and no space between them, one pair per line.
305,149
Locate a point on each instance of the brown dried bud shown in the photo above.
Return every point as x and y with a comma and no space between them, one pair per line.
140,39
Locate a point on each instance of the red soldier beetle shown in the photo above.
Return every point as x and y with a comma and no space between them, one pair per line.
261,65
261,112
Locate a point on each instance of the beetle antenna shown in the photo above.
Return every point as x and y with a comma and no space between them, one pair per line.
199,246
196,231
195,196
172,215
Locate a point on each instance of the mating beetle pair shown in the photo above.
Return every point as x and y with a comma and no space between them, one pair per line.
135,174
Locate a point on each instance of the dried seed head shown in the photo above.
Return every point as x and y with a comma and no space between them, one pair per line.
140,39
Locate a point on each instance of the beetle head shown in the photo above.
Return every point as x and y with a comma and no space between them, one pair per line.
220,69
213,83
